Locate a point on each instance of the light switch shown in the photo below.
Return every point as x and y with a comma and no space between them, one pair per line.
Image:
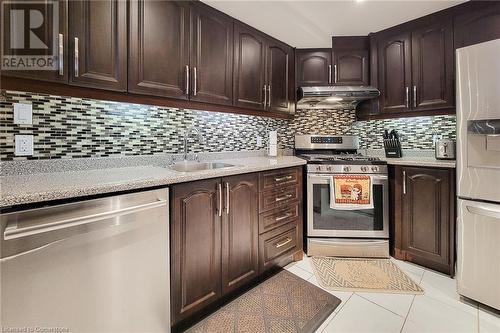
23,114
24,145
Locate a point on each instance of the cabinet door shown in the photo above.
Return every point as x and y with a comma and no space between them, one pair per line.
427,217
53,38
350,67
195,247
249,68
159,48
98,44
240,232
479,23
394,61
211,55
279,62
432,66
314,67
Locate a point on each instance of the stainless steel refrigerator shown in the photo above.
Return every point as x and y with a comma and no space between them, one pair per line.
478,172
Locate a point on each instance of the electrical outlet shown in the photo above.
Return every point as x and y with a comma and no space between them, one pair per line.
24,145
259,141
23,114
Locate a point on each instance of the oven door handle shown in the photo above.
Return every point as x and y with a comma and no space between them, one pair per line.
329,177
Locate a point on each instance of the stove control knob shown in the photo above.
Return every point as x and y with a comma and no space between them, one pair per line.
374,168
364,168
318,168
328,168
347,168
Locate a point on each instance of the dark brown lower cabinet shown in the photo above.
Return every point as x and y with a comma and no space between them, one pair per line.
214,250
424,217
240,230
195,255
215,244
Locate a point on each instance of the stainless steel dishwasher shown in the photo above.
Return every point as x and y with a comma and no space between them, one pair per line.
98,265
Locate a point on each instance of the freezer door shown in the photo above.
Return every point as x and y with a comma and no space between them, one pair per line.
478,251
92,266
478,121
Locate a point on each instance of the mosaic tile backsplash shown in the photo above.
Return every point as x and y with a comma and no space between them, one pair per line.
66,127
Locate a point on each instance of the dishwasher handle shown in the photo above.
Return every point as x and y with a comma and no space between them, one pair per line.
13,231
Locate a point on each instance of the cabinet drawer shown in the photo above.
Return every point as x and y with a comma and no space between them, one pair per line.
278,197
275,245
278,217
278,178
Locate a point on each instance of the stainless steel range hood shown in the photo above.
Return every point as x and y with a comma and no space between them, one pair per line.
334,97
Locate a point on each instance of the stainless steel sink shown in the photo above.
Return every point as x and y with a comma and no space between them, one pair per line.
199,166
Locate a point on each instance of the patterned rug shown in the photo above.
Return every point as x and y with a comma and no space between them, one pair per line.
374,275
282,303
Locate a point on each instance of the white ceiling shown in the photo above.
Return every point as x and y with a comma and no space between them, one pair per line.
312,23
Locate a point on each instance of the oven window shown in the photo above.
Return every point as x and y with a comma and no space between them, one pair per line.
325,218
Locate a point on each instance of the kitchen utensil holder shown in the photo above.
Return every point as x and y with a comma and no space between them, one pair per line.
393,148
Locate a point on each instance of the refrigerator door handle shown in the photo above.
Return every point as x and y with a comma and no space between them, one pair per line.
479,210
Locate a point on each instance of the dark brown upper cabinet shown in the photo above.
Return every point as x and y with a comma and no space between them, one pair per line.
314,67
181,50
249,68
394,70
60,74
479,22
416,68
98,44
350,59
280,82
425,218
211,55
263,71
159,48
433,66
240,230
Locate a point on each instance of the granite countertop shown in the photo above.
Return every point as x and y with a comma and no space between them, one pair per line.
411,157
420,161
40,187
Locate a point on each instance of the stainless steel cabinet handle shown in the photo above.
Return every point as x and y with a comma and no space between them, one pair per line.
336,73
283,217
12,231
269,98
61,54
265,95
414,96
407,97
227,198
288,240
187,79
329,73
195,83
484,211
280,179
404,182
76,57
219,189
288,196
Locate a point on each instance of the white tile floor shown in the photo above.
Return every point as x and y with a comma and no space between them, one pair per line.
440,309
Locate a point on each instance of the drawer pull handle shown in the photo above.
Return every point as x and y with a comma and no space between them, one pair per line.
281,218
278,245
288,196
280,179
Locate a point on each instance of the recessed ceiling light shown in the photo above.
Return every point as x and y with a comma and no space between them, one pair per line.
360,0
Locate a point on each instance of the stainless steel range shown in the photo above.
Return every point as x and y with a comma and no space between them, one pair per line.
343,232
